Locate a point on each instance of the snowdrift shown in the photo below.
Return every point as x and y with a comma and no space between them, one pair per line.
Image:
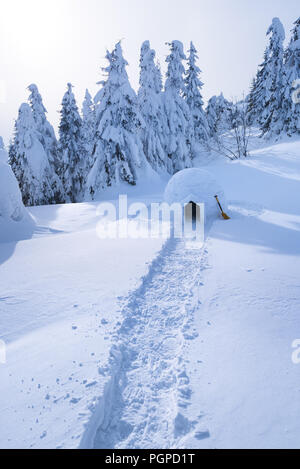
3,152
199,186
15,222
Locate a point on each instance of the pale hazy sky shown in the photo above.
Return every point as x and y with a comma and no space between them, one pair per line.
52,42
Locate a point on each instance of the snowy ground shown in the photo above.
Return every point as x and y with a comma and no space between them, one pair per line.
59,306
142,343
240,367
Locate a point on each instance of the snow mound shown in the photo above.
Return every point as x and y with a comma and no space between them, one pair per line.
3,152
196,185
15,222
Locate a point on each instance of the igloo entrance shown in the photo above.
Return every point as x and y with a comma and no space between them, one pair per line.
192,213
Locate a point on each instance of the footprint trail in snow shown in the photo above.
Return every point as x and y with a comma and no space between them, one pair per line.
150,389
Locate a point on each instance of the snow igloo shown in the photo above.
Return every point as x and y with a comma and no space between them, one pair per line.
192,187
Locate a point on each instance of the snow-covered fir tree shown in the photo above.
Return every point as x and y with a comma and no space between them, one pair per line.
218,113
178,145
193,97
259,92
47,138
47,134
211,115
88,130
71,150
119,151
270,120
11,205
30,162
151,107
158,78
265,99
252,114
290,114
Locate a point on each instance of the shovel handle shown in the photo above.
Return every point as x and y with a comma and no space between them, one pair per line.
217,199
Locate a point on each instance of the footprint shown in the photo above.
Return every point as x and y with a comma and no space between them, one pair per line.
182,426
5,298
202,435
75,401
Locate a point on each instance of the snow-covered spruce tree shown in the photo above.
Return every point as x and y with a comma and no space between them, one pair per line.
151,108
193,97
178,146
265,97
251,104
11,205
119,150
259,92
211,115
290,115
72,154
47,138
47,135
29,161
88,130
158,78
218,115
271,118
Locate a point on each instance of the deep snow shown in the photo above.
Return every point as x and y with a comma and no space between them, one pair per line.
144,343
15,222
240,366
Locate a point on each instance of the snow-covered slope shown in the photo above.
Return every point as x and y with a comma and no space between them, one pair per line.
58,311
141,343
243,379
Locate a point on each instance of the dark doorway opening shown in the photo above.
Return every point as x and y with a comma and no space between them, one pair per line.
192,213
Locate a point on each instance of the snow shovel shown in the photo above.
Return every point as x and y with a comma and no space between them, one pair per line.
224,215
